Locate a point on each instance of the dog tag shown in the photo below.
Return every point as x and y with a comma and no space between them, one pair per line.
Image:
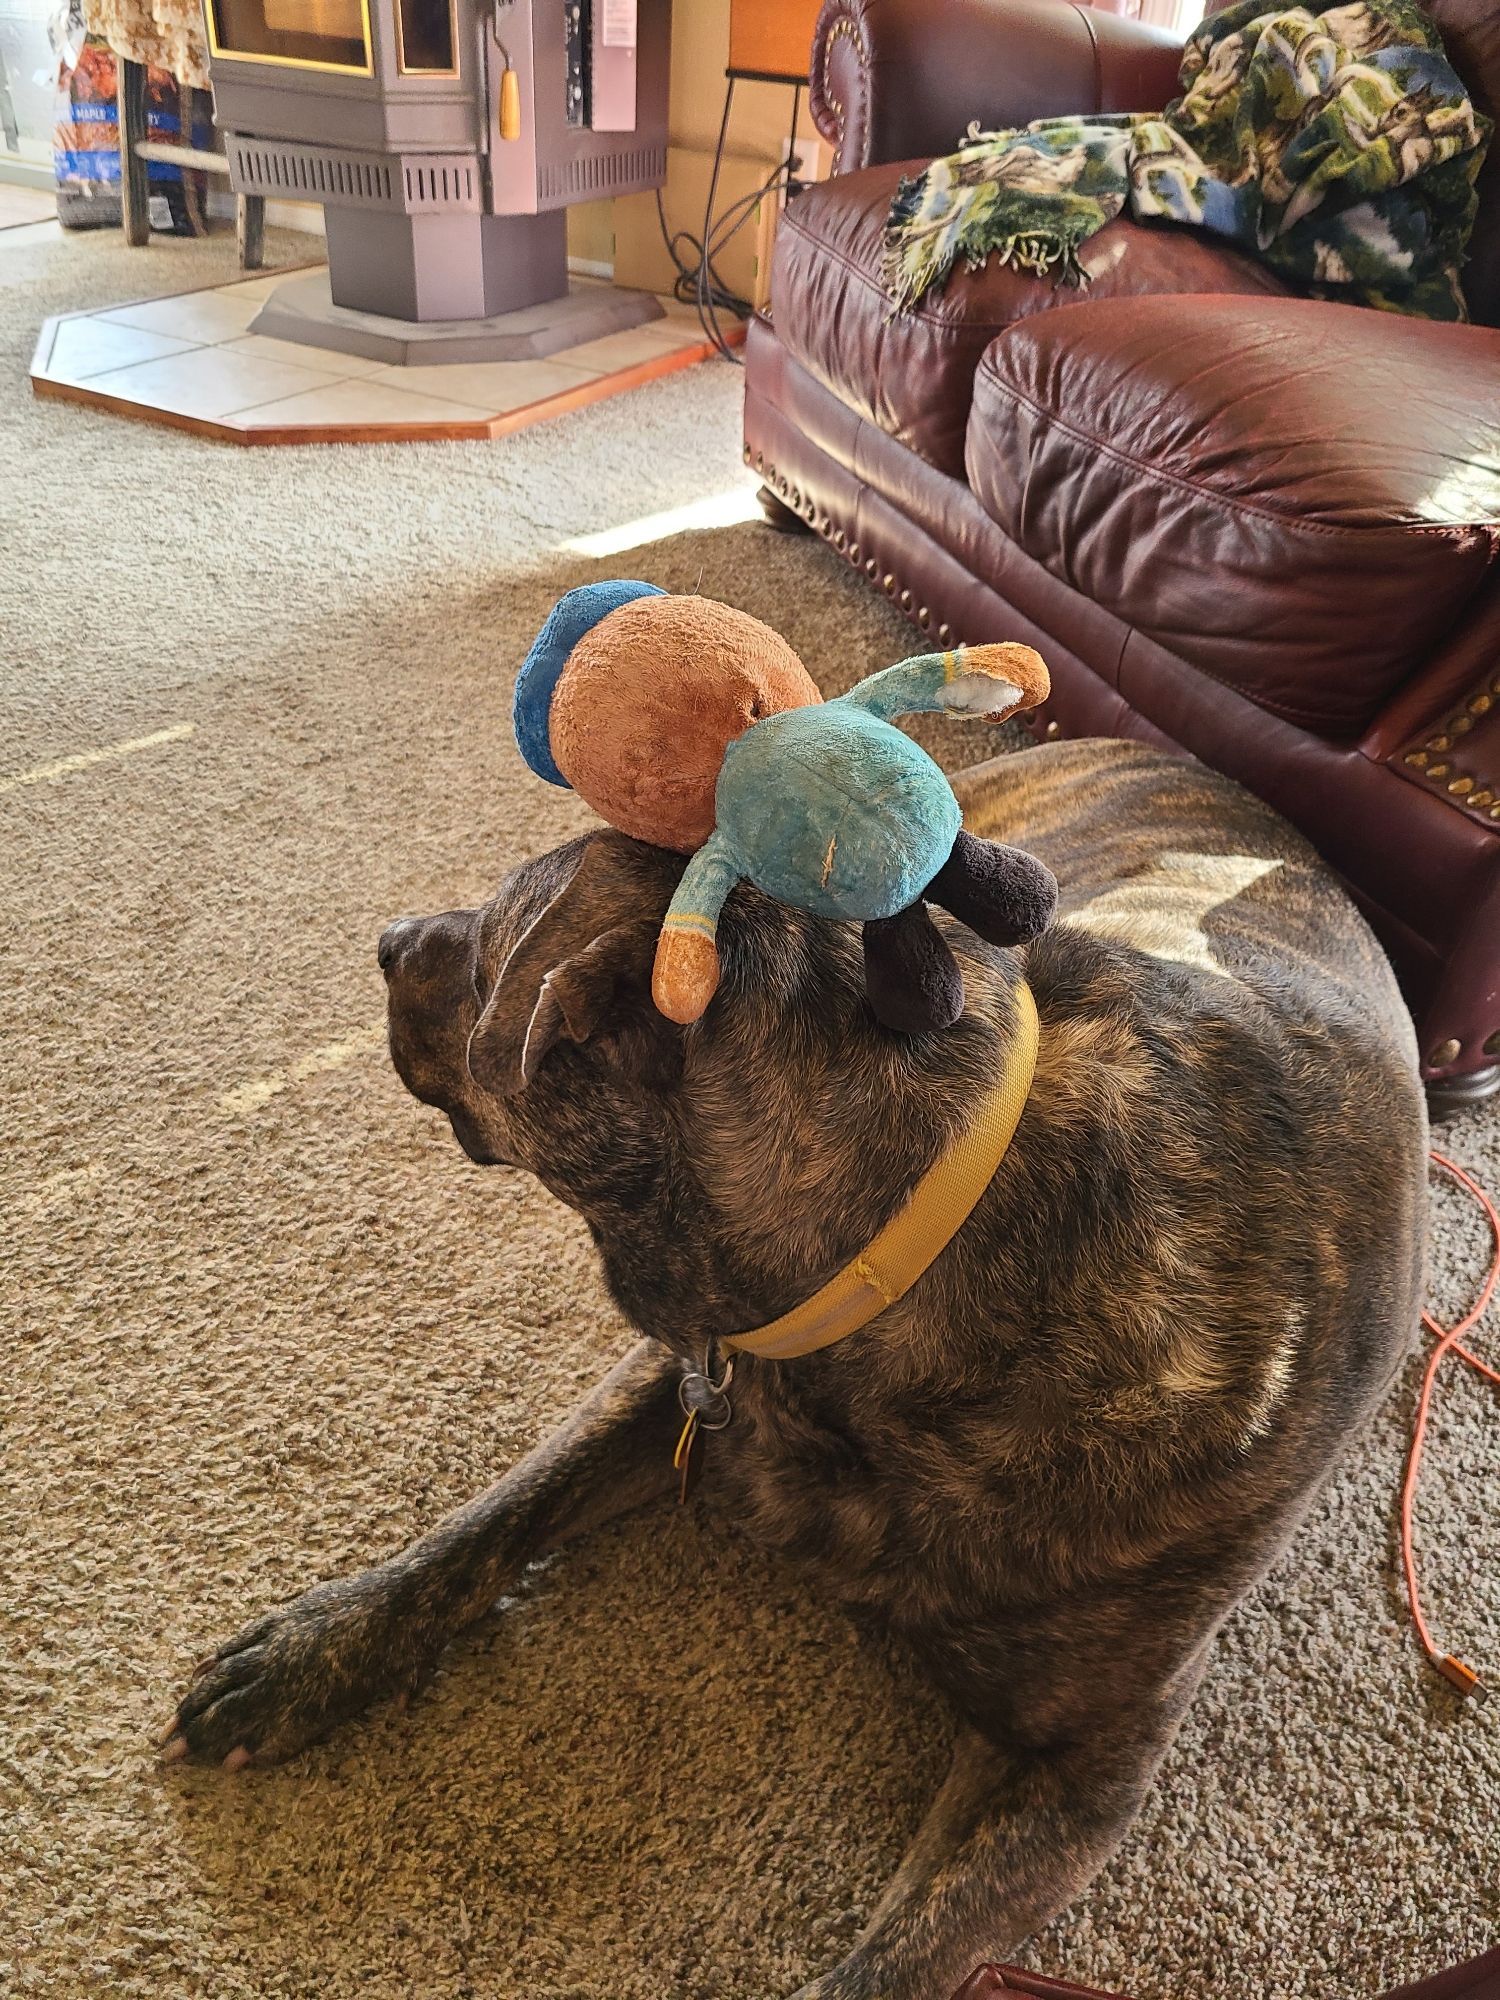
705,1407
687,1461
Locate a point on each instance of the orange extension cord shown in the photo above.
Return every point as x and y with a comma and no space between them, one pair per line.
1447,1341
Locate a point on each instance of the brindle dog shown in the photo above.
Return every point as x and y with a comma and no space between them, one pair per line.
1056,1465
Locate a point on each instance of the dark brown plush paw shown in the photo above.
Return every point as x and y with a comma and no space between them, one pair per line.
293,1675
912,979
1002,893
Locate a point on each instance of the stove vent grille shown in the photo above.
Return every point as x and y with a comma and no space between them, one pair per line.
410,184
615,173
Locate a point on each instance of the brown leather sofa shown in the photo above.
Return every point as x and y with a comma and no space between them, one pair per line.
1256,527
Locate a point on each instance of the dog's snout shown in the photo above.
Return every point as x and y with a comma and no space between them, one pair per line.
391,940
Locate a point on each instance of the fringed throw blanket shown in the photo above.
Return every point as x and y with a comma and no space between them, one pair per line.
1335,143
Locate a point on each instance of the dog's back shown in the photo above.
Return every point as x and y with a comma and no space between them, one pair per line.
1161,854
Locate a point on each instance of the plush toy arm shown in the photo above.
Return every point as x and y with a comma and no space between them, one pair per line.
988,681
686,974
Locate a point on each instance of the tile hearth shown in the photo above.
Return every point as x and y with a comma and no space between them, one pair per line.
190,361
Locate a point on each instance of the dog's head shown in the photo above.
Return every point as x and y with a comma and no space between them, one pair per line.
530,1022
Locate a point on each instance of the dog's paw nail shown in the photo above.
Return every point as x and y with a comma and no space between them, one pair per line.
174,1749
237,1759
208,1660
403,1701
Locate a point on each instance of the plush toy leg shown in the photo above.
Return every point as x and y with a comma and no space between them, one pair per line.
1004,894
685,976
911,977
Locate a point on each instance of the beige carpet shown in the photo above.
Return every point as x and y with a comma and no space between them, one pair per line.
262,1322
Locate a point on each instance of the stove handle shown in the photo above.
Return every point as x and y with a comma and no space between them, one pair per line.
509,124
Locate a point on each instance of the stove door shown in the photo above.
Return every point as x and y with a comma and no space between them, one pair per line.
299,34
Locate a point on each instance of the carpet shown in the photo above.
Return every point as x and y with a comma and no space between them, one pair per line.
262,1322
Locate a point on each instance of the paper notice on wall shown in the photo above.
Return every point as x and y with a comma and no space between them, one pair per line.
617,29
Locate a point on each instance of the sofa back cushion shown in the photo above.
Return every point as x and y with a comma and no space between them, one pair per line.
1471,34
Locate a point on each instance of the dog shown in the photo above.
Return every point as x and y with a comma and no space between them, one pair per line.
1056,1463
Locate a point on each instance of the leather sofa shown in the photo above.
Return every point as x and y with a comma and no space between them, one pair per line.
1236,522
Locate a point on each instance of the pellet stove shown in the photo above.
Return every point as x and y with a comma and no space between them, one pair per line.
445,140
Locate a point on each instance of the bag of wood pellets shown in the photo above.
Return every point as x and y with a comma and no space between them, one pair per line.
86,135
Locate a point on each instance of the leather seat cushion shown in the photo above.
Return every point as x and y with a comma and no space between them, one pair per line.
1300,499
914,376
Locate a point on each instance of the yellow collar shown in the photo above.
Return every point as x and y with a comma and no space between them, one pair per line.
939,1205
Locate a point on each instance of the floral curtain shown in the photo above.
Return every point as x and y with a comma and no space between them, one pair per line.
168,34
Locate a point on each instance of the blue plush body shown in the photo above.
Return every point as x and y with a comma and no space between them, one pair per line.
832,810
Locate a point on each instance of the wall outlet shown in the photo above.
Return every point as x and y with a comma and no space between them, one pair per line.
812,153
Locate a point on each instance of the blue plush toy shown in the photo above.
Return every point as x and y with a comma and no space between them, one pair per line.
693,726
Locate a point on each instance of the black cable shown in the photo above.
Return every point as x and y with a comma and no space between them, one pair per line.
698,282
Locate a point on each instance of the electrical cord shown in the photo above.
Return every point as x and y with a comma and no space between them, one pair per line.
1447,1341
698,282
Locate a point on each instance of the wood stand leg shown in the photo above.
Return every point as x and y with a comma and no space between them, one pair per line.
135,197
250,225
194,181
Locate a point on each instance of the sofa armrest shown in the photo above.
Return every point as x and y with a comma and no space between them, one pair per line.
901,79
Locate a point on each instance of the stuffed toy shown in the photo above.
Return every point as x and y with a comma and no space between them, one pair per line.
695,727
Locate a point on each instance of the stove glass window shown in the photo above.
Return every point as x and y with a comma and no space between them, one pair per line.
428,37
307,34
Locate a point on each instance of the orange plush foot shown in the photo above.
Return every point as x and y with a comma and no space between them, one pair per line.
686,974
1019,673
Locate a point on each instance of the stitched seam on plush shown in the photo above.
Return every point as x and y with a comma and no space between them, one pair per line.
1434,531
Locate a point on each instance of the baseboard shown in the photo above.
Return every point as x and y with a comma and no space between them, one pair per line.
21,173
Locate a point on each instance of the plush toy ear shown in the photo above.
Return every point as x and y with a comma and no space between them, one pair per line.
569,619
581,973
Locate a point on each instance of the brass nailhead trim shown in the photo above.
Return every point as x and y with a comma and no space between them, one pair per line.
842,28
824,524
1445,1053
1462,787
1054,730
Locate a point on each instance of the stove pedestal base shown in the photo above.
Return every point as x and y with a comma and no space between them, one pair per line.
303,309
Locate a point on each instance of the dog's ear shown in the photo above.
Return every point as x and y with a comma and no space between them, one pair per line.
581,973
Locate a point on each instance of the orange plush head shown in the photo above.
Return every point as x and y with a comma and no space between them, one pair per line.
651,696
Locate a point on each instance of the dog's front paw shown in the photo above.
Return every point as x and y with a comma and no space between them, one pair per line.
290,1677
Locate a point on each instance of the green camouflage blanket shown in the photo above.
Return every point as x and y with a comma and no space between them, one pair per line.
1335,143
